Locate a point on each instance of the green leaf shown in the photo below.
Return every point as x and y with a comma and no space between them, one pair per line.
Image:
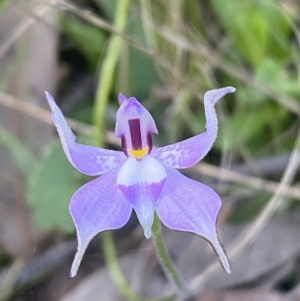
268,71
141,75
109,7
276,75
279,25
247,26
251,35
250,125
50,188
20,153
4,3
258,28
89,39
142,72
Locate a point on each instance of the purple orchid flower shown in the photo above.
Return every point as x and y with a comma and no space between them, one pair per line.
142,178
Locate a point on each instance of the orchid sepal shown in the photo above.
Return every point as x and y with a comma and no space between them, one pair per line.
180,208
188,152
90,160
95,207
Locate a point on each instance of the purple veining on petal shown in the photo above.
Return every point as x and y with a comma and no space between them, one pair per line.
186,153
187,205
124,146
149,142
135,133
131,109
87,159
95,207
143,198
142,182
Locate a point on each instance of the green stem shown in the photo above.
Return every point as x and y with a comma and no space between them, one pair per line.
115,270
106,75
116,273
165,259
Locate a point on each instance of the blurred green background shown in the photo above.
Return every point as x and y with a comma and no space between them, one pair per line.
168,55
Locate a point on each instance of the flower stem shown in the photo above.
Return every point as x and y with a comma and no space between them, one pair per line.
115,270
107,71
165,259
116,273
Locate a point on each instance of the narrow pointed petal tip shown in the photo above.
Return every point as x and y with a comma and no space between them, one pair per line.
142,182
121,98
147,230
215,95
215,243
231,89
50,100
74,270
76,261
145,214
225,264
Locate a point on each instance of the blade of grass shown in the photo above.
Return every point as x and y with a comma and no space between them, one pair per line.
107,71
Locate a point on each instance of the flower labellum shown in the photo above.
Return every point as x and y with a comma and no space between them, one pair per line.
142,178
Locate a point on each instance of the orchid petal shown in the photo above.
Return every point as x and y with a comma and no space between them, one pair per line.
87,159
95,207
134,125
142,182
186,153
187,205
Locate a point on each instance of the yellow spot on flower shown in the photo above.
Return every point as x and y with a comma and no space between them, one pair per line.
139,154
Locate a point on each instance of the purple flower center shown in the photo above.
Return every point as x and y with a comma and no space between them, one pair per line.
135,133
140,145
